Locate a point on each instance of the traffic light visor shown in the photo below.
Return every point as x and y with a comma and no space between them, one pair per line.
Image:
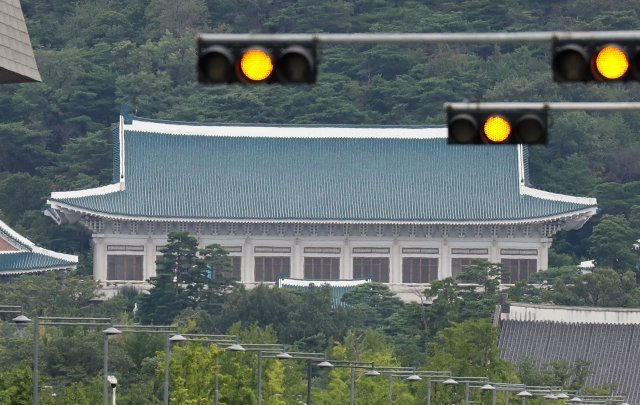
531,129
611,62
570,63
462,129
296,65
496,129
215,65
256,64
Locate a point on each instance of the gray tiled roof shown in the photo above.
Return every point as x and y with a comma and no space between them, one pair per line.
17,63
170,176
612,349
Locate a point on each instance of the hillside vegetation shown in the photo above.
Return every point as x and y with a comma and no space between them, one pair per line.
97,55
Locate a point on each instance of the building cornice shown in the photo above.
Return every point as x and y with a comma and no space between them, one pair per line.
579,216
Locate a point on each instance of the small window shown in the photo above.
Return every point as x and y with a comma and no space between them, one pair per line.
419,269
237,267
271,268
518,269
322,268
124,267
375,268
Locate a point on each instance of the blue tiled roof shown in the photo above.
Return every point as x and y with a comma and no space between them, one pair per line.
20,255
25,262
338,288
170,176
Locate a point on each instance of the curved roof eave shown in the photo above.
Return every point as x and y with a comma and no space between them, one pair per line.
585,213
32,271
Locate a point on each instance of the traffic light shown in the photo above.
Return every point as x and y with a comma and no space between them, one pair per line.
588,61
505,126
251,63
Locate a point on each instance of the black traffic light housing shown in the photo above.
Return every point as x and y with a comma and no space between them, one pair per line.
575,60
526,126
284,62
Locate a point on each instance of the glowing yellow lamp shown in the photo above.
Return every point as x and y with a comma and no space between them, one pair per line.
497,129
612,62
256,64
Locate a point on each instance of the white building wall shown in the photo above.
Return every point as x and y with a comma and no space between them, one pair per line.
533,312
297,238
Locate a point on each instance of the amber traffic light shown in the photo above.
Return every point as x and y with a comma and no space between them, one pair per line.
476,126
252,63
589,61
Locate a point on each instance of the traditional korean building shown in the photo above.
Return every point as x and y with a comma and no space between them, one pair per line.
18,255
607,338
397,205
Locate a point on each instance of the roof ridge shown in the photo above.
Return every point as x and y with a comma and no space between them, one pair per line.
252,131
260,124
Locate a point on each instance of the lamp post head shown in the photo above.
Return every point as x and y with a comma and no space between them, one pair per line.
21,321
524,393
575,399
414,377
372,373
450,381
283,356
236,347
562,395
177,338
111,331
488,387
325,364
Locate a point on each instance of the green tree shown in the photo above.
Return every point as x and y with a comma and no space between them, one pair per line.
23,147
183,279
20,192
15,386
611,243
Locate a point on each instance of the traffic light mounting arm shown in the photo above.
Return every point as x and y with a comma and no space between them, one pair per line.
481,37
558,106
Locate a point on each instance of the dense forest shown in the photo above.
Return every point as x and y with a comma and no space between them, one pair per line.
97,55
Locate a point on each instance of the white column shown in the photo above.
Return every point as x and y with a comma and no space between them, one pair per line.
395,263
297,260
346,264
248,263
444,269
494,252
99,259
149,259
543,254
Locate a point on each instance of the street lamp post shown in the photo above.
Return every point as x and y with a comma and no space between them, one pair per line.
320,358
390,372
262,348
168,330
53,321
508,388
228,342
467,381
353,366
432,376
105,390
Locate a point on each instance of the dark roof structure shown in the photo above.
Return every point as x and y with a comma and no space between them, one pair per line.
17,63
611,349
168,171
18,255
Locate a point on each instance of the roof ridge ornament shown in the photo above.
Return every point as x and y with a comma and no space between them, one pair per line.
127,114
